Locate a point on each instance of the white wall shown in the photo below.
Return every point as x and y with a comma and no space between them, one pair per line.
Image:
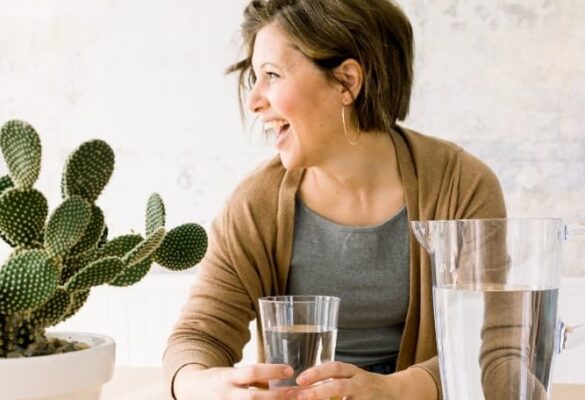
147,77
504,78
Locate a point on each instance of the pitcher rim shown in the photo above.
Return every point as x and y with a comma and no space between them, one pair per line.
558,220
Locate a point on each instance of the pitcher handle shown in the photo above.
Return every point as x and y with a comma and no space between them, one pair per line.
576,229
571,336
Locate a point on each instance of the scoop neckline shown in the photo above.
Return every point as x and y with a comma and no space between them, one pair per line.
365,228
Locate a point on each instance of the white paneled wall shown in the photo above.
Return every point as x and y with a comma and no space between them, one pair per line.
140,318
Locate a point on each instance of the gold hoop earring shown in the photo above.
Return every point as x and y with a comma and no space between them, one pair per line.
347,136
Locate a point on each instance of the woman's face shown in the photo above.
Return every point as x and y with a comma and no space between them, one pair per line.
295,100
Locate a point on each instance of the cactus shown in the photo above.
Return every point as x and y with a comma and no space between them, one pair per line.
58,257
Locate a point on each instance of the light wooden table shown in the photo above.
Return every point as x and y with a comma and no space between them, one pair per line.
133,383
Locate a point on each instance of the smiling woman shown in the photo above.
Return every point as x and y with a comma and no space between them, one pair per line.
295,100
330,79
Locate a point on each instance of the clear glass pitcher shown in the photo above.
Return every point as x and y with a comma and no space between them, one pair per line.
495,293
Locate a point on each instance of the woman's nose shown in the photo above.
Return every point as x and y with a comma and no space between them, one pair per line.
256,100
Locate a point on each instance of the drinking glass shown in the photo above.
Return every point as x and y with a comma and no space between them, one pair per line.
299,331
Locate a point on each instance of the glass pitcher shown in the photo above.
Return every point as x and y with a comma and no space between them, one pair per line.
495,293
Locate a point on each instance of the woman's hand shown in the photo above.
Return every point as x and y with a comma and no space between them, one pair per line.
192,382
348,382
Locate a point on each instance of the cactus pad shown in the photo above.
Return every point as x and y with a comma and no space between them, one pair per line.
5,183
21,148
22,215
123,246
26,281
131,275
71,265
145,248
96,273
183,247
67,225
120,246
155,213
78,299
53,310
93,232
88,170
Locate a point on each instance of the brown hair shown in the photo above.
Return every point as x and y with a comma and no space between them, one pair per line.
376,33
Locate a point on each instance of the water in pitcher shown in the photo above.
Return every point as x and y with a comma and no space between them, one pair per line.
497,343
300,346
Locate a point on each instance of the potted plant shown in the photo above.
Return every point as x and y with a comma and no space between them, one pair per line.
58,257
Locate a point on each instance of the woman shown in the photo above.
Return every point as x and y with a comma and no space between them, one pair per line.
329,215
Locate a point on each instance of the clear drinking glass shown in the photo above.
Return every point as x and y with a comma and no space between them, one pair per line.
300,331
495,293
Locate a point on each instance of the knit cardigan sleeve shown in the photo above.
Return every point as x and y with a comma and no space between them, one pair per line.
237,269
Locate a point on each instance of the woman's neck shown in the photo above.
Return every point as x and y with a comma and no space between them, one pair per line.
358,185
361,168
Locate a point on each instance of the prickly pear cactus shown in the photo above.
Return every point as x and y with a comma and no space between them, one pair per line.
58,257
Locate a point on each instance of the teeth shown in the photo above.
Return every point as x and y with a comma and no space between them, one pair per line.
274,126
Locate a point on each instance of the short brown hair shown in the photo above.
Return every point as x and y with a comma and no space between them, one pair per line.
376,33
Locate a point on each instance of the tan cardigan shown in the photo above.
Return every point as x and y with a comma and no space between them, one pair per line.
251,247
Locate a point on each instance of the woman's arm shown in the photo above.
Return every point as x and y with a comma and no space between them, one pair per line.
194,382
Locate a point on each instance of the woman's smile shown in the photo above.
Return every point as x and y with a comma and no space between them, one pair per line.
279,129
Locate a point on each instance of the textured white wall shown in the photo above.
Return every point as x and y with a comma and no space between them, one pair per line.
147,77
504,78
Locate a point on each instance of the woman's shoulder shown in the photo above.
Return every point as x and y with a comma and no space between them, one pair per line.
261,180
431,153
445,171
425,144
261,188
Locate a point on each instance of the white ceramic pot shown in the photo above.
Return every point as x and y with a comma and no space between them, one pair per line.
77,375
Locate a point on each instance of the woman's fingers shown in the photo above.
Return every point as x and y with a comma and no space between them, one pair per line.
335,388
253,374
327,371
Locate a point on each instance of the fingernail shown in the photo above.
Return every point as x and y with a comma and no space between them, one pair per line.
288,370
301,379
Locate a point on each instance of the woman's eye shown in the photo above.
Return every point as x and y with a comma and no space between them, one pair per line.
251,79
272,75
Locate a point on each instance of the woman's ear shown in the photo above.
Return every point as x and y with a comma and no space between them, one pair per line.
350,74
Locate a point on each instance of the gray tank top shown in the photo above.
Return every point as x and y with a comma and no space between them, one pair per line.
367,267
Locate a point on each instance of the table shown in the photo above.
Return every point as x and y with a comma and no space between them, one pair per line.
145,383
136,383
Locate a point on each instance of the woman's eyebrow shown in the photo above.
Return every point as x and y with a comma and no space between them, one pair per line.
269,63
264,64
